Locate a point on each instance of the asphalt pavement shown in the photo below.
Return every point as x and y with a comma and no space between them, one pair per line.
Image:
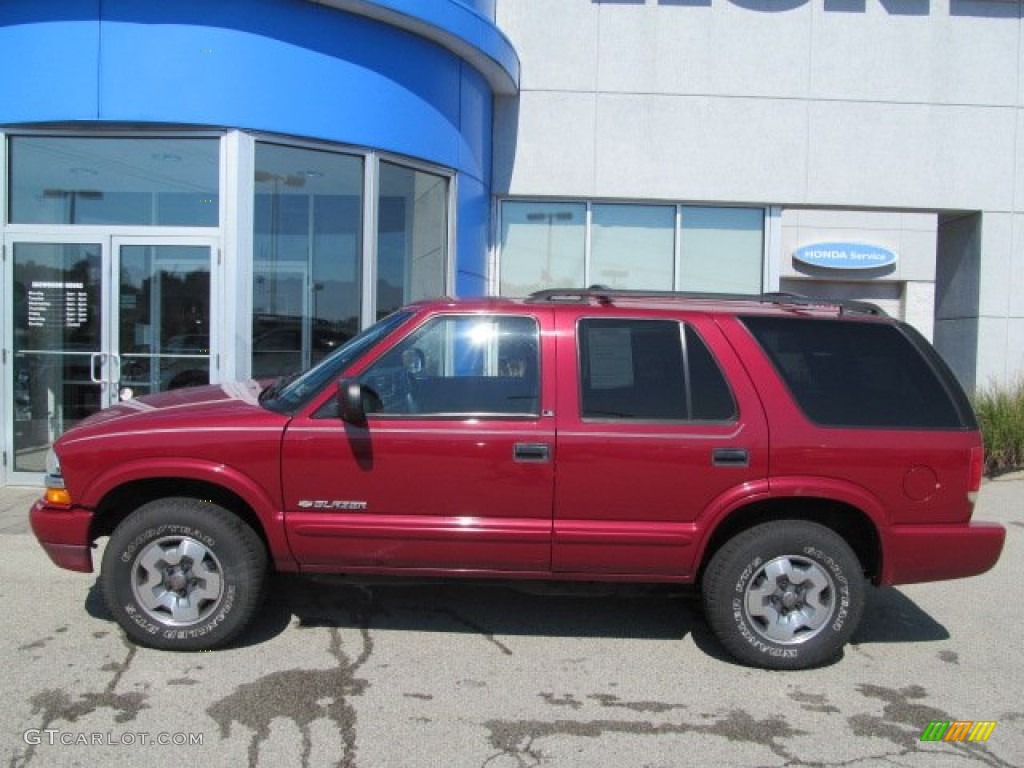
359,673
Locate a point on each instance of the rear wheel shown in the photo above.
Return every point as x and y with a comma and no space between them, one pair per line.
183,574
784,595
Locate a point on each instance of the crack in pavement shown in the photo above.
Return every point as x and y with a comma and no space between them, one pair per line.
305,695
516,739
904,718
487,634
902,709
56,705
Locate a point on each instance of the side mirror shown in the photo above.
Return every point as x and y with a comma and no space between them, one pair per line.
350,402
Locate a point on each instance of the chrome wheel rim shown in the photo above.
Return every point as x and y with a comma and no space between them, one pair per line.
789,600
177,581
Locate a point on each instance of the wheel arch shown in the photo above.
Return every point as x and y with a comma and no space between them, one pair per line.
850,522
121,499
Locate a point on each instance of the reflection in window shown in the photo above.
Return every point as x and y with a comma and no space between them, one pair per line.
306,255
650,371
141,181
722,249
632,246
57,322
459,366
164,317
542,246
412,236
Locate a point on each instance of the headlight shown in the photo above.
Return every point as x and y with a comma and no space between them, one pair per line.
56,495
54,477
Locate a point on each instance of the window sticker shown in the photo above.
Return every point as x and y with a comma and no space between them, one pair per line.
611,358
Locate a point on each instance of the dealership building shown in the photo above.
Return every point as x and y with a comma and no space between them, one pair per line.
200,191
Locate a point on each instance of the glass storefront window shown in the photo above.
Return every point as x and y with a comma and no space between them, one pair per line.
722,249
542,246
632,246
307,243
412,236
126,181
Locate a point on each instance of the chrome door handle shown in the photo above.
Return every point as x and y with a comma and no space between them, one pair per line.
101,357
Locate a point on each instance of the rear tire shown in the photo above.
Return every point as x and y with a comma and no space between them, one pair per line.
183,574
784,595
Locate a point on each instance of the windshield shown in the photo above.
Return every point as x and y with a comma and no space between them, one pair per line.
290,393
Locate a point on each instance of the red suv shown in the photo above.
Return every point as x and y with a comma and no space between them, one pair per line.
780,452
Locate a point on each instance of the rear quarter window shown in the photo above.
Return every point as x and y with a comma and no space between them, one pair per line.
845,373
649,370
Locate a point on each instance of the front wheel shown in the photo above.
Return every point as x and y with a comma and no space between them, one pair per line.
784,595
183,574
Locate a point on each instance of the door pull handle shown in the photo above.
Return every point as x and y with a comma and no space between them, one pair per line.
537,452
730,457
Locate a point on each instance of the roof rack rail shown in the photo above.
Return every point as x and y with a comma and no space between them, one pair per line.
604,295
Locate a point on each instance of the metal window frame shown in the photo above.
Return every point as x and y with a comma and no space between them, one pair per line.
770,236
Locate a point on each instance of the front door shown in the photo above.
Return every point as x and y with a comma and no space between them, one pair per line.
455,466
95,319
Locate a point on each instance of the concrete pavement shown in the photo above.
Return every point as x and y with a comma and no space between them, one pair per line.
14,505
363,674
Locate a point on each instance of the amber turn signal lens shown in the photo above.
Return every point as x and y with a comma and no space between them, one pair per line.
58,497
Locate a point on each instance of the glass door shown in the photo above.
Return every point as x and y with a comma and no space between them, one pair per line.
95,320
162,334
59,366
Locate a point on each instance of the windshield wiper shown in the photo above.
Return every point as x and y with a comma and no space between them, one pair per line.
279,383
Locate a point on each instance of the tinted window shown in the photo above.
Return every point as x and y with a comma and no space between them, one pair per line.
856,374
641,369
710,398
459,365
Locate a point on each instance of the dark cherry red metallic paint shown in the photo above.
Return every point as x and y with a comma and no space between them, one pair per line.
615,501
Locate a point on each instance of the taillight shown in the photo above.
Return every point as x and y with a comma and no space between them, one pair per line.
976,470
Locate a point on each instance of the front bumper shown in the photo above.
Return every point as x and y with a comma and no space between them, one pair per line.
918,553
64,534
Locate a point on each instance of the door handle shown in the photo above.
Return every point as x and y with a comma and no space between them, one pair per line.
93,358
531,452
730,457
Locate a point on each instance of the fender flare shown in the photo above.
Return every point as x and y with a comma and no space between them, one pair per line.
230,479
790,487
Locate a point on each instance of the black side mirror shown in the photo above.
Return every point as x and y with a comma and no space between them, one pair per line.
350,402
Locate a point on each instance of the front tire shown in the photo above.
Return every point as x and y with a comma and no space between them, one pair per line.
183,574
784,595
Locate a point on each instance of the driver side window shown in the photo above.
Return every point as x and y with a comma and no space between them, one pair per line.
457,366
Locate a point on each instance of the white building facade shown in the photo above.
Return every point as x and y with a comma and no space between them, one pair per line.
707,144
198,192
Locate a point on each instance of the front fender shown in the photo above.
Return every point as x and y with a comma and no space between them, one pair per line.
266,509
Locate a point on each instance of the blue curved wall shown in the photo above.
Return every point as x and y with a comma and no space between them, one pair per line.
282,66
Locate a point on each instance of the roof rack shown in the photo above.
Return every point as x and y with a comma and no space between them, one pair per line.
606,296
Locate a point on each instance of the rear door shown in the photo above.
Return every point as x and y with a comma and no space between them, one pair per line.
455,466
658,425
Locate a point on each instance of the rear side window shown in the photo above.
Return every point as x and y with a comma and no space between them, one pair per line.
858,374
652,370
